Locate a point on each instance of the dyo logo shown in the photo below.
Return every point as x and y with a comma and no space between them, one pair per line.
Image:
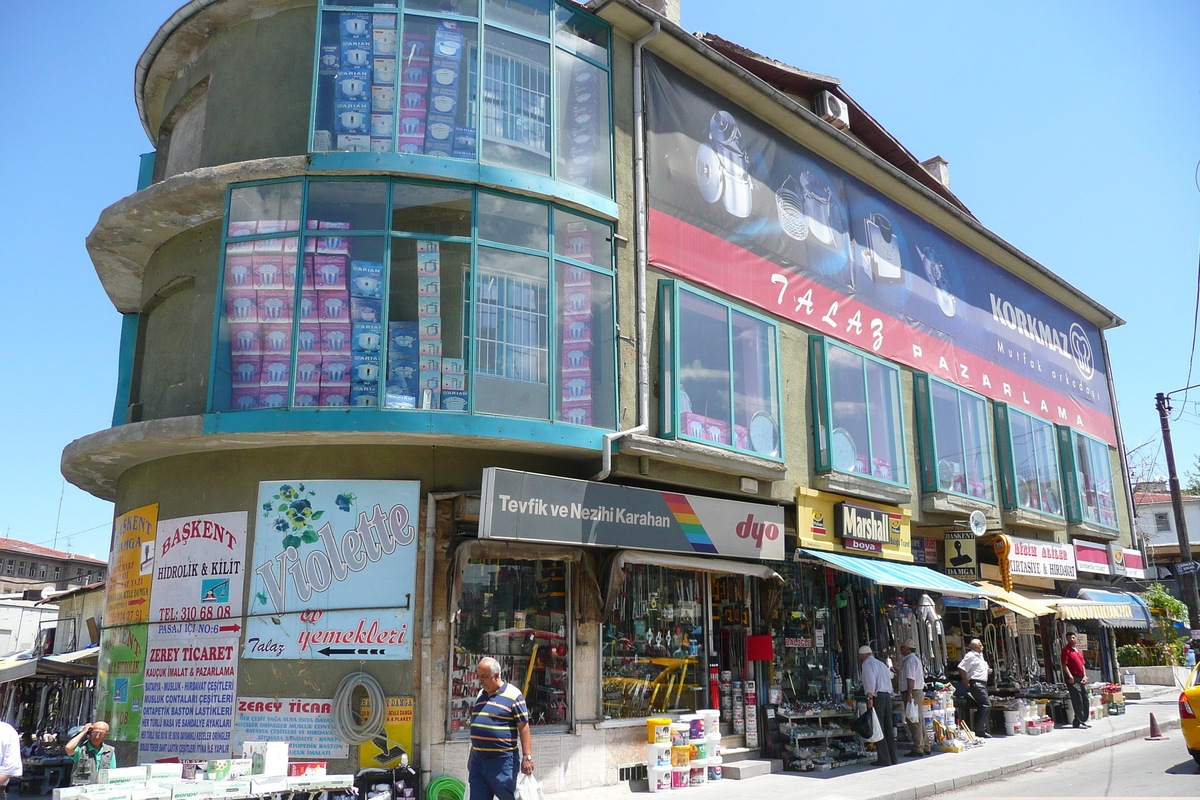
749,529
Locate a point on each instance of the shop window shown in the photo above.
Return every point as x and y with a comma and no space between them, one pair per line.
720,373
1087,472
420,81
860,427
803,633
1162,523
385,300
653,642
956,447
1029,462
516,612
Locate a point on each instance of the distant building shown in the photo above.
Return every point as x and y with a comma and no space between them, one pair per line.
1156,526
25,566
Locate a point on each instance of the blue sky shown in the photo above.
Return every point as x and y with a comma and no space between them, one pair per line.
1070,128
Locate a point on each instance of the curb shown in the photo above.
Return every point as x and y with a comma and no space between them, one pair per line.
963,781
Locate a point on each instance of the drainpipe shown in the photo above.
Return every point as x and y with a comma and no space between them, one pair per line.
427,705
641,257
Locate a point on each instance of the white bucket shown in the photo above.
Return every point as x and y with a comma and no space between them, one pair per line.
658,756
712,720
1012,722
679,777
714,744
659,779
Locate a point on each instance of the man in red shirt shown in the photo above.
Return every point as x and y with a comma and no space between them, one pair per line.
1072,661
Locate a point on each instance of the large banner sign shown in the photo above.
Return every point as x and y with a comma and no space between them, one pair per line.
528,507
334,570
738,206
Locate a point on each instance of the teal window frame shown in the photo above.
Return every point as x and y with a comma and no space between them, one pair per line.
670,407
1073,477
434,165
1010,471
932,479
221,377
822,408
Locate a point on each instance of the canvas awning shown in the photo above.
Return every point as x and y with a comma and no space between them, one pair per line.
1014,601
1139,612
891,573
1080,609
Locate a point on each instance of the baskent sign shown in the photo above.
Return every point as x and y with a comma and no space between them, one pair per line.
961,557
1036,559
741,207
862,529
525,506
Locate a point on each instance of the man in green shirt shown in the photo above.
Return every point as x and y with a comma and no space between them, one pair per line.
93,756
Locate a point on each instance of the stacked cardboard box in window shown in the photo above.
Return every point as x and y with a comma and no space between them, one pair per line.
577,330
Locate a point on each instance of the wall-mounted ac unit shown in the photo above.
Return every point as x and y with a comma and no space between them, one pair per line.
833,110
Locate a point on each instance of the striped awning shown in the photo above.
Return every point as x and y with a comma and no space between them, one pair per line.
891,573
1139,614
1071,608
1014,601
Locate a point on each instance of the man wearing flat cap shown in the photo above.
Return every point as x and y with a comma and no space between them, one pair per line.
877,685
912,689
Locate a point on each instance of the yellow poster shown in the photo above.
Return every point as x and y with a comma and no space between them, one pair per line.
131,566
817,530
397,737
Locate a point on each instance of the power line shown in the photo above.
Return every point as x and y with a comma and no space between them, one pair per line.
1195,318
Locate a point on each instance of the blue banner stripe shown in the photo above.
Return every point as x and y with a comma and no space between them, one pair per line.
890,573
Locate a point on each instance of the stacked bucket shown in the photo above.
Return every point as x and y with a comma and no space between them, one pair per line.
684,753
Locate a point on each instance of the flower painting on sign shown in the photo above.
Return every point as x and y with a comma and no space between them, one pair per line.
334,570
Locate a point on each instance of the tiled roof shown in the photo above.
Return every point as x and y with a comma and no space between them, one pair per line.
25,548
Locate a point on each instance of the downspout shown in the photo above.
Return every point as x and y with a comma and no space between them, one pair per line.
427,705
641,256
1112,399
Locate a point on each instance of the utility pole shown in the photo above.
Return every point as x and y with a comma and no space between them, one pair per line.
1187,581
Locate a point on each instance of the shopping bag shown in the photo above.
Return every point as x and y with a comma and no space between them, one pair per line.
876,730
528,788
862,724
911,713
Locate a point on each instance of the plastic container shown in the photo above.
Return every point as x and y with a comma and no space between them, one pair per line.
699,749
658,755
697,776
679,777
659,779
681,755
696,726
1012,722
712,720
658,731
714,770
680,733
714,744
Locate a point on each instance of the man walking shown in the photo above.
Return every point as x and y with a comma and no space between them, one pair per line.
877,684
912,688
498,718
92,755
1073,666
974,671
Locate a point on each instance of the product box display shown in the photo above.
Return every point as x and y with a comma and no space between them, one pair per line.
381,145
382,126
429,286
356,143
353,84
332,246
577,412
310,301
308,369
244,399
356,52
306,397
413,101
308,339
353,24
465,139
239,272
453,400
276,339
268,784
243,228
366,336
387,21
399,396
383,70
364,395
331,57
245,370
430,328
383,99
429,364
122,775
274,372
402,338
334,306
412,125
335,371
329,271
307,768
365,309
268,246
351,116
245,338
274,305
273,398
383,41
430,347
241,305
335,338
365,368
273,272
454,383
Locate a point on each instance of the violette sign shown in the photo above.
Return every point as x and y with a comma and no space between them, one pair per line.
862,528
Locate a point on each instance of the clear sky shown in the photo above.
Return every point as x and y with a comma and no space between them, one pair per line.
1072,130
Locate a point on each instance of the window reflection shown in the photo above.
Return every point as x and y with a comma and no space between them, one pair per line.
1035,463
866,420
516,102
1094,478
704,368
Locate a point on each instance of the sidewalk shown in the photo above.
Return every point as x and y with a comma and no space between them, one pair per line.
942,772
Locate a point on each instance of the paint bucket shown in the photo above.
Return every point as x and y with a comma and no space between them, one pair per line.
680,733
697,775
714,771
712,720
658,731
1012,722
714,744
697,726
658,755
679,777
681,755
659,779
699,749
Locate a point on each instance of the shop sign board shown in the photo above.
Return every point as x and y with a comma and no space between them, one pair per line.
119,680
1184,567
1116,560
188,705
924,550
1025,626
525,506
1037,559
822,517
976,603
961,559
334,570
1090,557
303,722
198,576
130,567
1135,565
396,739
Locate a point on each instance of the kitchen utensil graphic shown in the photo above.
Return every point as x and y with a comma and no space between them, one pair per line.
790,205
884,249
818,200
723,166
939,278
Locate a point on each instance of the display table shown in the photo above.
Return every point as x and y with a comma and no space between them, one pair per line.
42,775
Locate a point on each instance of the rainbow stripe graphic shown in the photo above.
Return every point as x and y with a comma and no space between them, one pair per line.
696,535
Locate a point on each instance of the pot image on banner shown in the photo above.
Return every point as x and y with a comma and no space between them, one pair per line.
334,570
742,208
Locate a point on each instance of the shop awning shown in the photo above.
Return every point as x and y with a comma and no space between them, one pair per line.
890,573
1072,608
723,566
50,666
1139,613
1023,606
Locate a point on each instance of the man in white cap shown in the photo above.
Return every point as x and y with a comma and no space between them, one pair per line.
877,685
912,689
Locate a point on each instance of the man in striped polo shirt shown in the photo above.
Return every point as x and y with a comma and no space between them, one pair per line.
498,717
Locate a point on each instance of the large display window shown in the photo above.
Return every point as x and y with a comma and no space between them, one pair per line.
956,445
407,295
860,425
526,86
721,369
1029,462
1087,472
518,613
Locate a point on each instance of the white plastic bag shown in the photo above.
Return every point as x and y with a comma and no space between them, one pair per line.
876,731
911,713
528,788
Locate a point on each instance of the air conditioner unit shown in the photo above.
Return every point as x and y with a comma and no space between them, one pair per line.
833,110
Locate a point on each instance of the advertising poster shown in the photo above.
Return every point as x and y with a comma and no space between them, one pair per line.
740,207
960,558
544,508
334,570
303,722
187,708
198,576
385,750
119,680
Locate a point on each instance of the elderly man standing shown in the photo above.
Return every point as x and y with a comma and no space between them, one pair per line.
498,718
877,684
974,671
93,756
912,689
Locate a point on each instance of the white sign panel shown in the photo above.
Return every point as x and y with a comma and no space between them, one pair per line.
303,722
1036,559
188,700
198,576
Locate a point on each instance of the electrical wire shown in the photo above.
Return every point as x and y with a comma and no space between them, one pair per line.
1195,319
345,717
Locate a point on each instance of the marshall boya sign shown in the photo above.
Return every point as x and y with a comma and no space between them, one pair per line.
862,528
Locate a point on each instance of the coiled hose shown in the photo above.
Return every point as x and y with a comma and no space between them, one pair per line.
345,718
446,788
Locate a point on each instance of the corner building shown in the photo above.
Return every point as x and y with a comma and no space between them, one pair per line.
639,361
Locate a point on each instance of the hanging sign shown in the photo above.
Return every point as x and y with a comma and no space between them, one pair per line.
1116,559
198,576
1090,557
189,699
961,559
1135,564
1037,559
130,567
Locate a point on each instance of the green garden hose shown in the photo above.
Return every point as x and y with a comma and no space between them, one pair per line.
446,788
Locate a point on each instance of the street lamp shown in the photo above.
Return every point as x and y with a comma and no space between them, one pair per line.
1187,580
